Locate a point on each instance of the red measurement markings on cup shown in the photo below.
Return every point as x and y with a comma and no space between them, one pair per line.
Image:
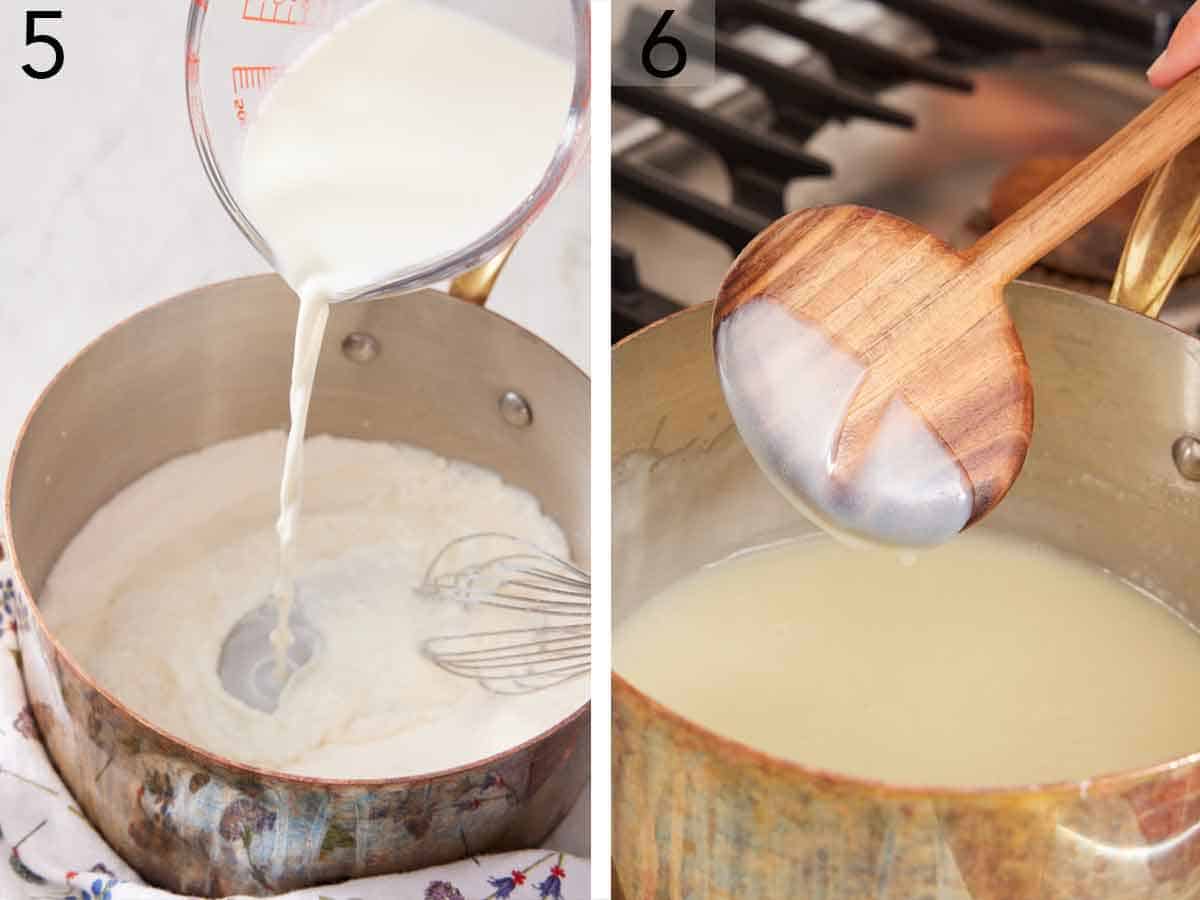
247,79
278,12
195,106
288,12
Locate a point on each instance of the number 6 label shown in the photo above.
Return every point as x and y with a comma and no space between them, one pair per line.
658,40
661,45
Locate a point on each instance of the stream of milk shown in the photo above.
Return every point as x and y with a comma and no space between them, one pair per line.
448,125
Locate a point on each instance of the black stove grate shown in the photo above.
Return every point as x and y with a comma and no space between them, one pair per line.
733,225
762,160
855,60
742,149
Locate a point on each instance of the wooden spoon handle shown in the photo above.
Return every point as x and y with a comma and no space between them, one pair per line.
1112,170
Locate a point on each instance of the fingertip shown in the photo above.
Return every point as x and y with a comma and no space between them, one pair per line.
1182,54
1154,74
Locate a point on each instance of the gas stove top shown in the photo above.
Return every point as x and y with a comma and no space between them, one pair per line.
916,107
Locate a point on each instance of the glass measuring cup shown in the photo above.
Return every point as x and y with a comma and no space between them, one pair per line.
236,49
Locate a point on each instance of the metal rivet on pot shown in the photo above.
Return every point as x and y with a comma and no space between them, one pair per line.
360,348
1186,452
516,410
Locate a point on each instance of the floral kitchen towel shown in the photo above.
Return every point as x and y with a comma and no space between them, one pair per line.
51,852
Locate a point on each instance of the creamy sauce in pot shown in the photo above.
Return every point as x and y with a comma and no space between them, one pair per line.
989,661
145,594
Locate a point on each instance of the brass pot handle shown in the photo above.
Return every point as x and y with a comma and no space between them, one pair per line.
475,286
1165,232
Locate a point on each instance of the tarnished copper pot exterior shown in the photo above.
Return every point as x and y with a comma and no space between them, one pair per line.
698,816
213,365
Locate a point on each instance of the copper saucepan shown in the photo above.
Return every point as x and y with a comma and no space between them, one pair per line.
1113,476
212,365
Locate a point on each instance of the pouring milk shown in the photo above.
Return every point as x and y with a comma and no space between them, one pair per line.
450,124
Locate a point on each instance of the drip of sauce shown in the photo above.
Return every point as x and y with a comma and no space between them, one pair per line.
402,136
909,491
987,662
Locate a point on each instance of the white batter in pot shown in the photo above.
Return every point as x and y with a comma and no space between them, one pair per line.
145,594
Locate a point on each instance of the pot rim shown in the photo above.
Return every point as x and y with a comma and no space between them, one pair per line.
741,754
1117,309
208,757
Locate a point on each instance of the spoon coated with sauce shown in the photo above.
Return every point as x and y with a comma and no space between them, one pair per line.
873,370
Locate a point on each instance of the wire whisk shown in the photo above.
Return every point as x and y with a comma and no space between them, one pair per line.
504,572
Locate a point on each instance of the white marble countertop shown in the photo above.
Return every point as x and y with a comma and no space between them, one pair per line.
104,209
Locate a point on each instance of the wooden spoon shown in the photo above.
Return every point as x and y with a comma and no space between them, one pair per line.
873,370
1094,251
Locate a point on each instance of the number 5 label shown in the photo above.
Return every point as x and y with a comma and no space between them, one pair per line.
34,37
